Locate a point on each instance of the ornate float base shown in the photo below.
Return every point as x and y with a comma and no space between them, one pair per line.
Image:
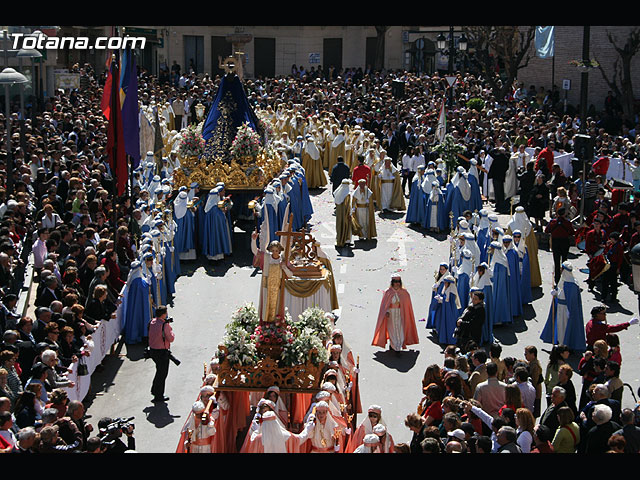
245,174
267,372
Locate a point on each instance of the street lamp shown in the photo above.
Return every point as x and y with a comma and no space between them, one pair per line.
38,83
462,43
199,110
26,53
441,45
9,77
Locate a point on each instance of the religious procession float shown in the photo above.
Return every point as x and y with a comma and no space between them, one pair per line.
231,146
282,343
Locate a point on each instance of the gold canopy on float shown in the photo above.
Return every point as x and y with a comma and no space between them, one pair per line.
241,174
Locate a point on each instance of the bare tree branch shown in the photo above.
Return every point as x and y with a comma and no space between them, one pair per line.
621,81
508,43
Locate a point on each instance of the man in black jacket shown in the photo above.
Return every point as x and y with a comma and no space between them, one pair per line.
550,415
596,439
497,173
76,411
49,293
339,172
561,231
471,321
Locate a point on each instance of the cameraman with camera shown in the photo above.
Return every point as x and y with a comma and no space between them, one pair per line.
111,430
160,337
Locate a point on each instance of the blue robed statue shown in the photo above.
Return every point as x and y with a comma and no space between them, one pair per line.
229,111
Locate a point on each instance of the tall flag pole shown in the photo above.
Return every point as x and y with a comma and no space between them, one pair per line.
441,129
115,136
158,144
129,104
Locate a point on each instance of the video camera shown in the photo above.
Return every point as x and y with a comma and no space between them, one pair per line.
118,424
461,331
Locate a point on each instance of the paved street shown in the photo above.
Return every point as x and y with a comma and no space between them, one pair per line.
207,294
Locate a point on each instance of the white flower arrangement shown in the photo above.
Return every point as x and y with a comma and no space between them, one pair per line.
244,334
315,319
296,353
241,349
246,316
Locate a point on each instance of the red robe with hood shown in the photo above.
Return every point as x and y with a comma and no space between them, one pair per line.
381,334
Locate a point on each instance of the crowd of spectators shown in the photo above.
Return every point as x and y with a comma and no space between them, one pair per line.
479,402
61,212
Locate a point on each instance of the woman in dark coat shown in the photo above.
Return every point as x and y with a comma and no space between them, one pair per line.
69,351
25,410
416,424
97,308
527,179
538,200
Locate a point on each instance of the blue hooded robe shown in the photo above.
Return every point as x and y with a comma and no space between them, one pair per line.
574,334
525,277
417,209
442,220
439,287
162,278
295,204
270,215
464,273
483,239
475,202
501,287
515,288
446,314
215,235
214,238
136,307
184,239
307,208
484,284
460,200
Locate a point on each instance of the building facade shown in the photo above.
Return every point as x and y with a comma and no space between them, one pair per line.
272,50
269,50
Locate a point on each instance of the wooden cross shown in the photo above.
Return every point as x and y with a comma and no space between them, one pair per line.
289,234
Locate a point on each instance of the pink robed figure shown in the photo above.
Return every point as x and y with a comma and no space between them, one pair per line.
396,321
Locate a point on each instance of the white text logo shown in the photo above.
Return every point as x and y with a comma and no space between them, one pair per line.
76,43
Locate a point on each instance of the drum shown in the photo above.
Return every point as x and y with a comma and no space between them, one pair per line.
597,266
581,235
